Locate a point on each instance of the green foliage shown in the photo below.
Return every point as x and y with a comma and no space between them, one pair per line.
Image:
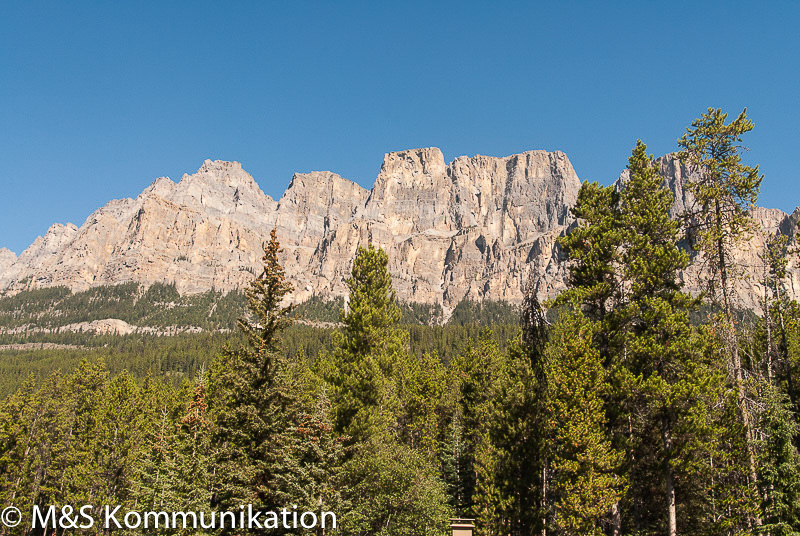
158,306
425,314
779,463
317,309
484,313
724,189
256,405
392,490
386,401
364,365
76,439
586,480
477,373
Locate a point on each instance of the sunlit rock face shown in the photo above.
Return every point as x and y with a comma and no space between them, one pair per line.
477,228
7,258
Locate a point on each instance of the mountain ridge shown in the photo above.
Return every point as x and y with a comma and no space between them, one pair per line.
476,228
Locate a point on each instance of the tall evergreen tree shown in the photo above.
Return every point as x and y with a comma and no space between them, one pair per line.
389,480
586,481
255,402
724,189
365,365
478,372
624,281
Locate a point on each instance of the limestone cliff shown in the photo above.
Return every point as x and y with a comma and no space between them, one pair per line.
7,258
746,261
479,228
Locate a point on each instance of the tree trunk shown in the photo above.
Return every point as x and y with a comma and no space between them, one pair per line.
736,361
768,322
616,520
544,498
669,478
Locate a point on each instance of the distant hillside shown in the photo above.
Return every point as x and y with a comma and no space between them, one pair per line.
161,310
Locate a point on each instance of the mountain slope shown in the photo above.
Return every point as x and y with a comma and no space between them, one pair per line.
477,228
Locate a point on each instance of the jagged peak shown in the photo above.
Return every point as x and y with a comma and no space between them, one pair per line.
320,179
532,152
162,186
427,159
60,228
217,183
220,172
215,166
5,252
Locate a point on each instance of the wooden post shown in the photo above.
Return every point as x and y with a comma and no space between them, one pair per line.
462,527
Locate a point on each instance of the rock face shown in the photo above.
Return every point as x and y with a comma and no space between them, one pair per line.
476,228
746,261
7,258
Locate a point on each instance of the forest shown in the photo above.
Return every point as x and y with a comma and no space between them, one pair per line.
624,406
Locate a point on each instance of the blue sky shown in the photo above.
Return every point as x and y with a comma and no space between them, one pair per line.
99,98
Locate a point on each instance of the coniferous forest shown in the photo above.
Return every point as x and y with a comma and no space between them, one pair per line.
624,406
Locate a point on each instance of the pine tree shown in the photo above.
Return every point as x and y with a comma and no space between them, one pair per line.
594,249
724,189
626,294
365,365
654,325
585,479
387,486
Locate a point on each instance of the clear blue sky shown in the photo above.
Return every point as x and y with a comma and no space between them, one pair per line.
99,98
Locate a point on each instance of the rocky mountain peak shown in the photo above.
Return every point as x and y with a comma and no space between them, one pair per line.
162,187
7,258
221,173
223,187
412,163
327,181
42,251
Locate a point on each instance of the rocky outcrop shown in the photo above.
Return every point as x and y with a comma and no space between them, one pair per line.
746,261
477,228
7,258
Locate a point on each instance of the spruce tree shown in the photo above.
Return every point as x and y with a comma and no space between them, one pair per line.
255,403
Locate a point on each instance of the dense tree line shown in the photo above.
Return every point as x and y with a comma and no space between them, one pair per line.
615,409
158,306
30,313
180,357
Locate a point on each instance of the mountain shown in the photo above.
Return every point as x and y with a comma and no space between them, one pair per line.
476,228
